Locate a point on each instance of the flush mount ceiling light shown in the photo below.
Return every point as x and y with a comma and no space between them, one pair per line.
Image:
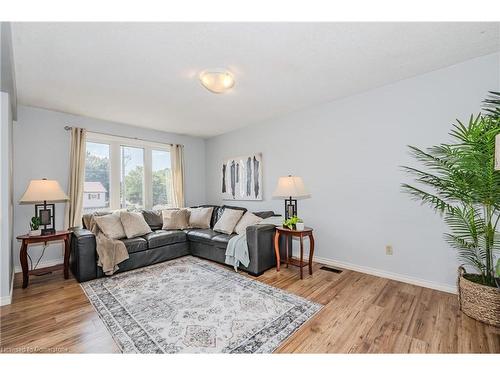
217,81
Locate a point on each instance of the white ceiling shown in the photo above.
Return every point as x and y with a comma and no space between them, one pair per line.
145,74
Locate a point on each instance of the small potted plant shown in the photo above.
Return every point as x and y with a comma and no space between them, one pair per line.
300,224
34,226
293,223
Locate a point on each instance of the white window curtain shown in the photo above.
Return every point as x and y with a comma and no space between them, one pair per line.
76,177
177,159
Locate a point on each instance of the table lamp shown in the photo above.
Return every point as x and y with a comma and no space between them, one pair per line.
290,188
44,191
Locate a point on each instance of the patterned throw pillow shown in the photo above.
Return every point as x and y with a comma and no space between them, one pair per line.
175,219
228,221
134,224
200,217
247,220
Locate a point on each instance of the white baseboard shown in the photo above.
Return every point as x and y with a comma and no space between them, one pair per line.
43,264
389,275
7,300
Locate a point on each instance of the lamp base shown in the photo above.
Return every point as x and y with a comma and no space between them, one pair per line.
47,214
290,208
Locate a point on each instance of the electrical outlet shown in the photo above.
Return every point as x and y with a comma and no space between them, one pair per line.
388,250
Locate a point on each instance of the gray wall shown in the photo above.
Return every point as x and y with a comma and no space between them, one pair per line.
42,149
349,152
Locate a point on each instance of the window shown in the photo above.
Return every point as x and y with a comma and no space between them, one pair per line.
126,173
162,179
97,167
132,177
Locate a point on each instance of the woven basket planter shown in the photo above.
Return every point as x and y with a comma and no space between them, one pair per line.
478,301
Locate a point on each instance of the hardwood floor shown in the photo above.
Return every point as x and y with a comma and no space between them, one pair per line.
362,314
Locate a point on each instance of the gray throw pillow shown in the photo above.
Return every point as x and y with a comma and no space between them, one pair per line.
228,221
264,214
134,224
153,218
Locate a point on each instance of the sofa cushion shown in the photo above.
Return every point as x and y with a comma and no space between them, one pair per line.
228,221
175,219
111,226
246,220
153,218
221,240
222,208
87,217
164,237
235,208
201,235
264,214
200,217
134,224
215,213
219,210
135,245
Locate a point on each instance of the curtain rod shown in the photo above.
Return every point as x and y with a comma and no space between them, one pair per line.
123,136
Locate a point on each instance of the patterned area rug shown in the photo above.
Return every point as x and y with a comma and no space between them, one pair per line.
189,305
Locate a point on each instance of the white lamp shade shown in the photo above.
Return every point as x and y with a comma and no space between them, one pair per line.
290,186
43,190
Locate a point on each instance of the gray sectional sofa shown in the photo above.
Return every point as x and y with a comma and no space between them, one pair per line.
161,245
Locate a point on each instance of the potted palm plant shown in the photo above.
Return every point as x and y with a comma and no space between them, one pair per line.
459,180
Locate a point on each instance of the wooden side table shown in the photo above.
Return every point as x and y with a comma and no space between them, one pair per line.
26,240
289,233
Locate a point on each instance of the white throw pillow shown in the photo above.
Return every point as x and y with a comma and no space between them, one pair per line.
200,217
111,226
175,219
247,219
228,221
134,224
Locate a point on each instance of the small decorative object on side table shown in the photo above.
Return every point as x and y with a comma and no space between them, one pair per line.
34,226
27,239
289,234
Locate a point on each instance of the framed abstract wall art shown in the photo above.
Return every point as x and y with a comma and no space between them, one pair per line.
241,178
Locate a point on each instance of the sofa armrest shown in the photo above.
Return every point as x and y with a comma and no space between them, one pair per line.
260,240
83,258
